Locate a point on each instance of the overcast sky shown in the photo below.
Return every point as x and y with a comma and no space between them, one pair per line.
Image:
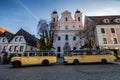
16,14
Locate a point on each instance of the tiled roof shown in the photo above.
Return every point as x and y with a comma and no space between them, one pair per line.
2,30
99,19
29,38
6,34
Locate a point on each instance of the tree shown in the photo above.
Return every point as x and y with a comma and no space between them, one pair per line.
46,36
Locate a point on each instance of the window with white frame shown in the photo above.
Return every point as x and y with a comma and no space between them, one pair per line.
16,49
16,39
5,47
66,37
106,21
21,48
104,41
74,38
117,20
20,39
4,39
102,30
115,41
10,48
112,30
58,49
59,38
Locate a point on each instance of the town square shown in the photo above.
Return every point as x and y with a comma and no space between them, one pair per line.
59,40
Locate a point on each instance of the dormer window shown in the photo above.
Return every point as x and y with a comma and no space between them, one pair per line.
21,38
16,39
106,21
3,40
117,20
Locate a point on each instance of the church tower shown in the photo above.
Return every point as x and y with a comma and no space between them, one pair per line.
54,20
78,16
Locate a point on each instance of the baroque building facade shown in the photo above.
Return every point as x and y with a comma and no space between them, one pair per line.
65,30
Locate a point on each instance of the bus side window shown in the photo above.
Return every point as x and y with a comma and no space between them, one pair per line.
51,54
45,54
31,54
25,54
38,54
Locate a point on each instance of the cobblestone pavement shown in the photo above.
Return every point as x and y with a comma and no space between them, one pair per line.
62,72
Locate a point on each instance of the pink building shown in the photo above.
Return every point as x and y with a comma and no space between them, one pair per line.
65,29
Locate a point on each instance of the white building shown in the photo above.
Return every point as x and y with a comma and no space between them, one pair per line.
65,30
19,42
4,40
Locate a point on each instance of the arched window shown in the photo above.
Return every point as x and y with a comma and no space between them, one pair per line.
66,19
78,18
66,37
59,38
53,19
58,49
74,48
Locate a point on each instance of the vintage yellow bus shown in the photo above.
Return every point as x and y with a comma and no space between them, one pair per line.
88,56
44,57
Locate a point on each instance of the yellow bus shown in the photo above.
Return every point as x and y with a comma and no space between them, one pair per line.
88,56
44,57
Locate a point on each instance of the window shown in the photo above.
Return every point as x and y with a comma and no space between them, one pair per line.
21,48
25,54
115,40
53,19
66,27
3,40
5,47
16,39
104,41
31,54
66,37
66,19
102,30
45,54
117,20
58,49
78,18
21,38
74,48
112,30
106,21
16,49
74,38
10,48
59,38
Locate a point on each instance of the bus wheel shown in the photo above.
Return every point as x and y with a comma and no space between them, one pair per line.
104,61
16,64
45,62
75,62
